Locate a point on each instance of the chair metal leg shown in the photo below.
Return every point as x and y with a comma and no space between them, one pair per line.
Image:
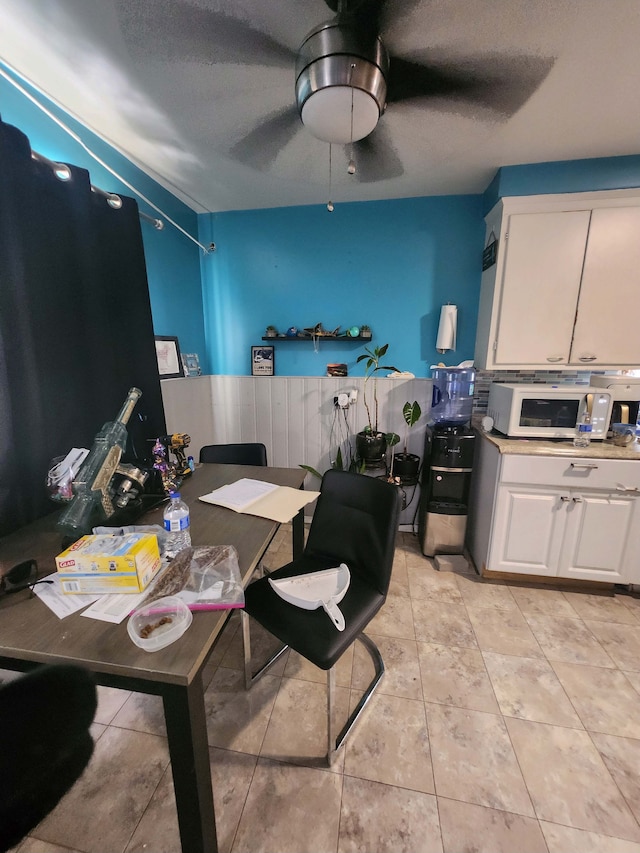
249,677
336,743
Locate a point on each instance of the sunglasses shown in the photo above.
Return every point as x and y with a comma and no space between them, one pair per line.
22,576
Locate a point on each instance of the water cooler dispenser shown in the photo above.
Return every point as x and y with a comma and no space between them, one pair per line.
448,463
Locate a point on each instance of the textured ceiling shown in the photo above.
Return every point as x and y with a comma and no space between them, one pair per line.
200,93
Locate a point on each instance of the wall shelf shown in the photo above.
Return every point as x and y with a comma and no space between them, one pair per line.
298,338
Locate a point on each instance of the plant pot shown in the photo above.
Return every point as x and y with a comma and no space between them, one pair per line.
371,448
406,466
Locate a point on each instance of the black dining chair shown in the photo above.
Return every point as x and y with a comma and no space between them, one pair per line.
235,454
355,522
45,720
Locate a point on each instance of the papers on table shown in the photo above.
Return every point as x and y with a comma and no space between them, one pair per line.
255,497
107,608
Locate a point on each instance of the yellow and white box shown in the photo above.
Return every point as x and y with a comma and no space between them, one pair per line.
104,564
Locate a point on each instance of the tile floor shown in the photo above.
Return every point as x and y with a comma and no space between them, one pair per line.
508,720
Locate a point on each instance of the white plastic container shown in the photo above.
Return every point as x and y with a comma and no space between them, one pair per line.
177,525
159,623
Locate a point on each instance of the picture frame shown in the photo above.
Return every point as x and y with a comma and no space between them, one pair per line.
263,360
191,364
168,355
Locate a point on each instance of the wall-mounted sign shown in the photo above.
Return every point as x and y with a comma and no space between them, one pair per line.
489,255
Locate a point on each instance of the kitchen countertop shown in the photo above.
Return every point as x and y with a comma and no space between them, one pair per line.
550,447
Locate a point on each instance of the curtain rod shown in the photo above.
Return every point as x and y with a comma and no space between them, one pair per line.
206,249
63,173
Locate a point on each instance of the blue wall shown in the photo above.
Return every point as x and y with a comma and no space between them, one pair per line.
389,264
173,261
567,176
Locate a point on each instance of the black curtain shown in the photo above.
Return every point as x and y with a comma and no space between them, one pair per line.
75,325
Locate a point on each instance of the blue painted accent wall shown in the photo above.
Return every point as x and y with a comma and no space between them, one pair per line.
173,261
389,264
567,176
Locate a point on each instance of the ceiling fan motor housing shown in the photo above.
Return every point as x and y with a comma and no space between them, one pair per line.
341,82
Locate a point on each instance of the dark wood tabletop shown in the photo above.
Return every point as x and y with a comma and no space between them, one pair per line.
31,634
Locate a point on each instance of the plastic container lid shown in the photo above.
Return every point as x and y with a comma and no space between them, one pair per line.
159,623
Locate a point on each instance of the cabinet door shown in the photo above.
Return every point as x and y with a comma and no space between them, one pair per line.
597,534
541,281
527,535
607,324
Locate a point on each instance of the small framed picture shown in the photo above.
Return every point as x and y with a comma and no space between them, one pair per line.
168,355
191,364
262,361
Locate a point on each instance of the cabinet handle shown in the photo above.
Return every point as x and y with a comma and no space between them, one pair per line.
577,500
591,466
555,358
587,358
629,490
565,498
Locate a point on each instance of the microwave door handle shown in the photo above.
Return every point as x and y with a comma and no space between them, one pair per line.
589,402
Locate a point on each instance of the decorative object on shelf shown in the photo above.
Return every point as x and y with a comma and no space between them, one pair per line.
365,332
292,332
271,332
318,332
447,329
262,361
168,355
407,464
337,370
191,364
353,332
371,444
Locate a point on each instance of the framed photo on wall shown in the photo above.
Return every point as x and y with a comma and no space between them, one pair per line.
191,364
262,361
168,355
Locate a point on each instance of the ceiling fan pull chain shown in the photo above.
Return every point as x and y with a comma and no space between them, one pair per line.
351,168
330,204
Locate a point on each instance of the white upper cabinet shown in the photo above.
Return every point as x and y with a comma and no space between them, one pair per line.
565,289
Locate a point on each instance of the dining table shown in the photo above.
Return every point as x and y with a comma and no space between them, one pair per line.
32,635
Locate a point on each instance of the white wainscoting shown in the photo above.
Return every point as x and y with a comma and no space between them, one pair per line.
292,416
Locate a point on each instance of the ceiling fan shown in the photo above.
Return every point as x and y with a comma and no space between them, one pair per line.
347,84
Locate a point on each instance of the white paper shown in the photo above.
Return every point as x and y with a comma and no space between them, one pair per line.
57,601
114,607
239,495
278,503
446,338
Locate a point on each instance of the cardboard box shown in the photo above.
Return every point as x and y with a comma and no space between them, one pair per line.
106,564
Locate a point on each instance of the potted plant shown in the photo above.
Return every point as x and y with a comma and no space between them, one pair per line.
365,331
271,332
407,464
371,444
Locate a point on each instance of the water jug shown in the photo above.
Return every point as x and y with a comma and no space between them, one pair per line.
452,398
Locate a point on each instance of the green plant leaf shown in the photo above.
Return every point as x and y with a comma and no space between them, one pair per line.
311,471
392,438
411,412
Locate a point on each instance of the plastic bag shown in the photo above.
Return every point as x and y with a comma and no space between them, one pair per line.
155,529
205,578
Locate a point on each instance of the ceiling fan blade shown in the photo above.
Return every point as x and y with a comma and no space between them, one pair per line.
499,83
178,30
376,158
260,147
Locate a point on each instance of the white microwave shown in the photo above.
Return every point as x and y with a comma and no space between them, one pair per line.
547,411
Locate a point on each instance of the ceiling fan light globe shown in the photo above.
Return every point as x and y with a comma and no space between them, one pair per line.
326,114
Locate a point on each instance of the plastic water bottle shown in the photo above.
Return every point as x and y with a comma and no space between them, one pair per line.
176,523
582,437
638,426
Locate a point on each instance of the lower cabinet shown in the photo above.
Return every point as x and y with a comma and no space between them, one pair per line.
564,533
555,517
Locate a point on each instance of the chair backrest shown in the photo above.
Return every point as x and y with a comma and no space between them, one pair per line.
234,454
356,522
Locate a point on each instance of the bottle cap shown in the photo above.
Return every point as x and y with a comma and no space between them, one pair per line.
174,494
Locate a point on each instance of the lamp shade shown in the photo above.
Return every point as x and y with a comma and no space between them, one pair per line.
327,114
